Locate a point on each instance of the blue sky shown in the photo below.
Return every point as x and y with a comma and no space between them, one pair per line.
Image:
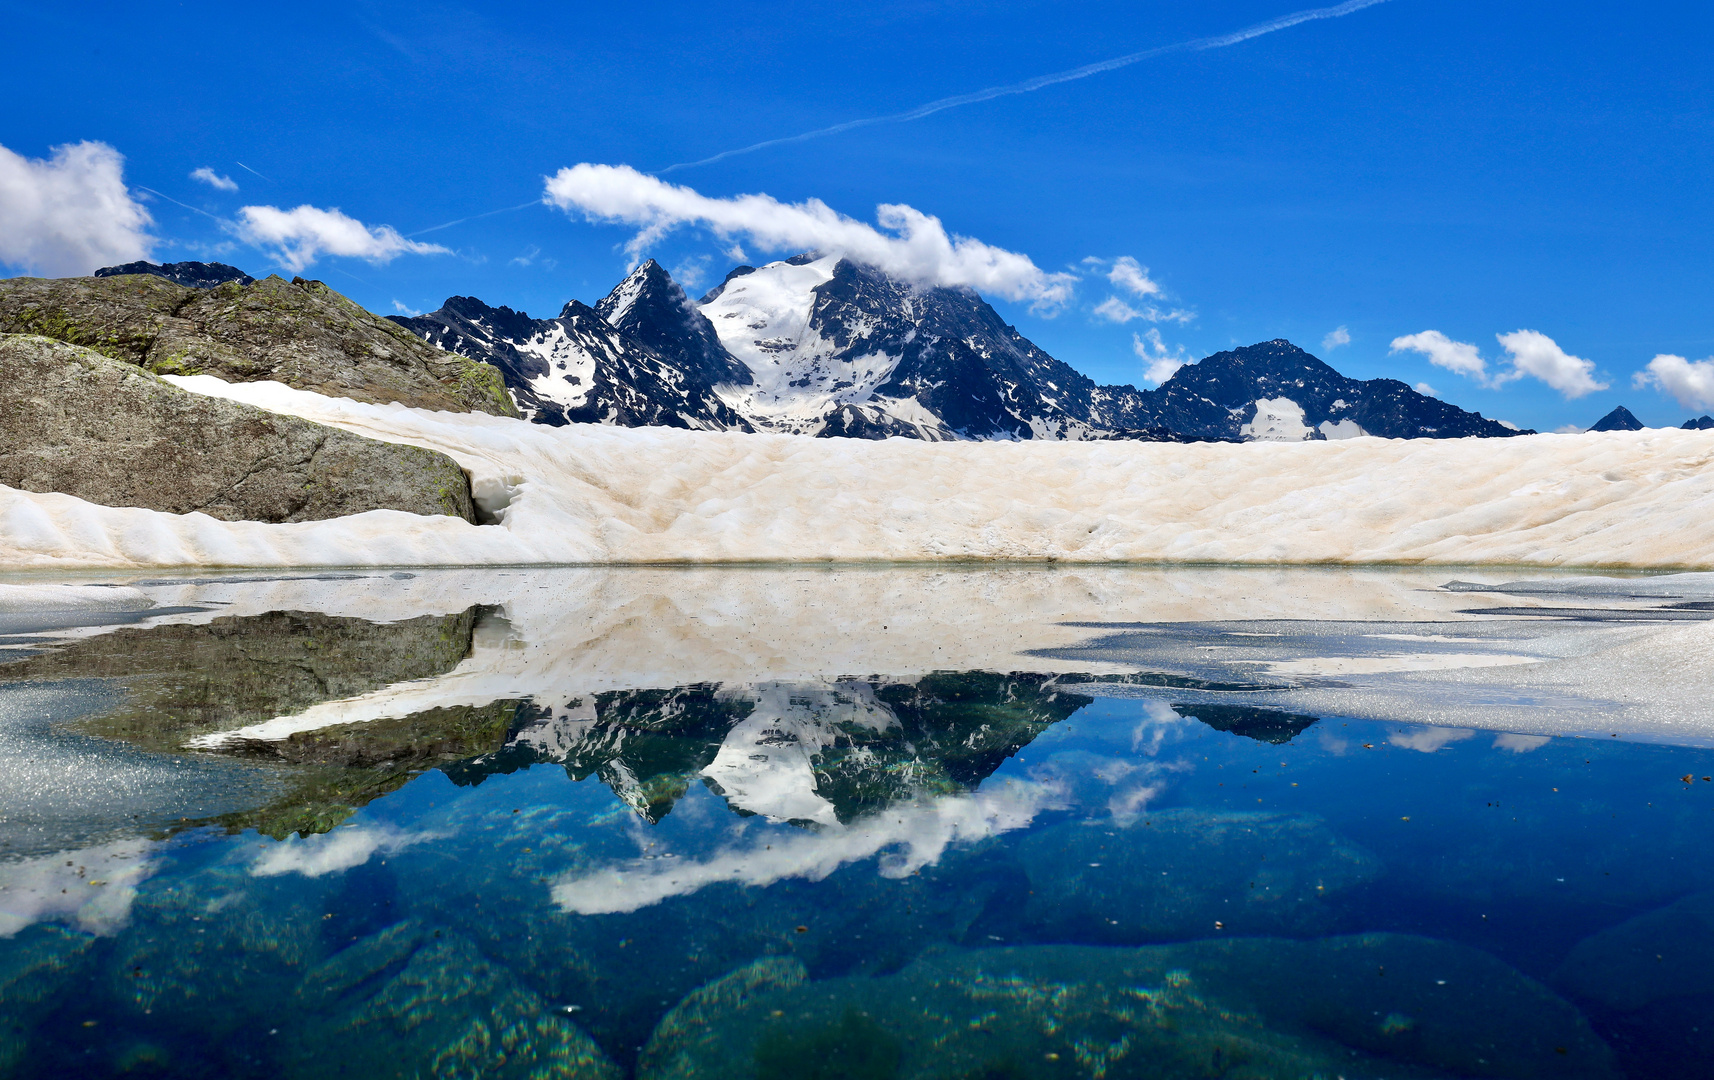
1473,169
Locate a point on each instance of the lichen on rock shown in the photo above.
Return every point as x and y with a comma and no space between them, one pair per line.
297,332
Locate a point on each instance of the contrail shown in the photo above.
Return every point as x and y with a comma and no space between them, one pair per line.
1040,81
187,206
473,217
248,169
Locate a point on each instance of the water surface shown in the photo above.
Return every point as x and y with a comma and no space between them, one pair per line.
925,823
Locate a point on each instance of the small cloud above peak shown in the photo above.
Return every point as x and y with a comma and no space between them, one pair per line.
907,243
1161,362
1335,338
213,179
1426,390
1459,357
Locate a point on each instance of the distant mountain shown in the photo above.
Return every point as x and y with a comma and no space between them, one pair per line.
821,345
193,275
1701,423
582,369
1620,419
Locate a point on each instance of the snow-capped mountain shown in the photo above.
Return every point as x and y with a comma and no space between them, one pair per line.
820,345
579,368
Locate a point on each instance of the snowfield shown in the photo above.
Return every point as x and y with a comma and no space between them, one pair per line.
594,494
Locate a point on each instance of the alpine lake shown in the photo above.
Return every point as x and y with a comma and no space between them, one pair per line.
806,823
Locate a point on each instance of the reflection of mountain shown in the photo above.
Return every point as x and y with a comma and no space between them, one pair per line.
811,752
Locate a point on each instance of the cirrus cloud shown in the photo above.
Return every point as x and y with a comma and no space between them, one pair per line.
908,243
71,213
301,235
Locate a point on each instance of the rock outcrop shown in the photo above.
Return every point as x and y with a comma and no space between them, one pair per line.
297,332
109,432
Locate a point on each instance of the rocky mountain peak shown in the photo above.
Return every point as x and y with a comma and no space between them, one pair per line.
192,275
1620,419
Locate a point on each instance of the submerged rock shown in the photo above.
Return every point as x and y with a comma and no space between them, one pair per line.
1376,1005
417,1001
1178,874
36,968
1665,953
110,433
297,332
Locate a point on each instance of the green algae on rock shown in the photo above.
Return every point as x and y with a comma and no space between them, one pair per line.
1368,1006
297,332
108,432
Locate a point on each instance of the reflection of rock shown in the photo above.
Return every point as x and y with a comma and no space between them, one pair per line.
186,680
110,433
1174,874
1378,1004
1263,725
1664,953
415,1001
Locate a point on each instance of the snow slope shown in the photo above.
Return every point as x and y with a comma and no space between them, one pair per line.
596,494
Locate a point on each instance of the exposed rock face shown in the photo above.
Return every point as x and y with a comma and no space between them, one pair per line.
108,432
1274,391
1620,419
1701,423
821,345
297,332
192,275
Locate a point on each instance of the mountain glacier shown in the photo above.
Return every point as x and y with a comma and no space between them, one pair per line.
821,345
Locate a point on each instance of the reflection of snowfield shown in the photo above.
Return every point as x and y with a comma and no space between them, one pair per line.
907,837
92,888
593,494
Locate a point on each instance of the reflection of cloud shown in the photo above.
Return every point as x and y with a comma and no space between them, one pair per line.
332,852
906,837
1429,739
1519,744
92,889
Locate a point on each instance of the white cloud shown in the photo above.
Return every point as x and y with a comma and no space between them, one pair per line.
70,214
1335,338
90,888
1690,382
1426,390
1536,354
1161,361
214,179
301,235
1133,277
914,246
403,309
1455,356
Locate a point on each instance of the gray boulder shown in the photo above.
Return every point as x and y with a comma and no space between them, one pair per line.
297,332
108,432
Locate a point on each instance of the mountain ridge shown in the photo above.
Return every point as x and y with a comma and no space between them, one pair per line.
821,345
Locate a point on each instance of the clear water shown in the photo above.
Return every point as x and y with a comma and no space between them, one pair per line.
859,824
